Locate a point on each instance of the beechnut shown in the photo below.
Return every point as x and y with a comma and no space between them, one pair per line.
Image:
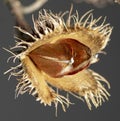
57,57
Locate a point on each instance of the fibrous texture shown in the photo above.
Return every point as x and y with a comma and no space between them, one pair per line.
58,54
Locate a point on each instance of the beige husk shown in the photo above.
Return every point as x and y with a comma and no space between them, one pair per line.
86,84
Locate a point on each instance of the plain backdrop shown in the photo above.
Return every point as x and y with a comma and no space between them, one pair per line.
25,108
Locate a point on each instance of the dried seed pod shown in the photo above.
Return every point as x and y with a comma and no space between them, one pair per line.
59,56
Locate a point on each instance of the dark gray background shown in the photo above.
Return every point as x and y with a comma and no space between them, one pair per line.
25,108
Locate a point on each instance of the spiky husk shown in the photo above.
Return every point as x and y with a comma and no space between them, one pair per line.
49,28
